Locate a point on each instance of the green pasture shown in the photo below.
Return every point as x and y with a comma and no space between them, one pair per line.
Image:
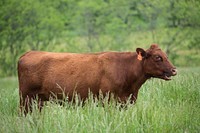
162,106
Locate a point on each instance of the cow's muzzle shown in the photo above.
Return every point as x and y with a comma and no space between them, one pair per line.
167,75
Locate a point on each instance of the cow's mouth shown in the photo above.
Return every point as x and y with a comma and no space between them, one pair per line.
166,76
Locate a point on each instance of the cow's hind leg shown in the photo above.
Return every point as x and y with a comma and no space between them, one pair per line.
25,104
30,102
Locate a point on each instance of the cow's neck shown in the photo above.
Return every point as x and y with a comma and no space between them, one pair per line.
138,68
137,74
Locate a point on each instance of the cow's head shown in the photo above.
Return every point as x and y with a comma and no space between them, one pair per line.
156,63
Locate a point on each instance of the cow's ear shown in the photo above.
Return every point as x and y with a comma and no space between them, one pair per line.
141,53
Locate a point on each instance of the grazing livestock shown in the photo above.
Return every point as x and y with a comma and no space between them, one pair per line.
46,74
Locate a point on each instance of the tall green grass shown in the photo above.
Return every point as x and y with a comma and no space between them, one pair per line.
162,106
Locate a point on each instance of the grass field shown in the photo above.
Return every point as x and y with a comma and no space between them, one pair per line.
161,107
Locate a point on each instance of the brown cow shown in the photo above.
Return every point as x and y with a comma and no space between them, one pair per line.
42,74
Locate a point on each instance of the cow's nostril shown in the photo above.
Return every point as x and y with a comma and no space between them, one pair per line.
174,71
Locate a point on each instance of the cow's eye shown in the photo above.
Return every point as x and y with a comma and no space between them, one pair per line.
158,58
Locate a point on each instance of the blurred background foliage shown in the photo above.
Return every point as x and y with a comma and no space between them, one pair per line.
99,25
